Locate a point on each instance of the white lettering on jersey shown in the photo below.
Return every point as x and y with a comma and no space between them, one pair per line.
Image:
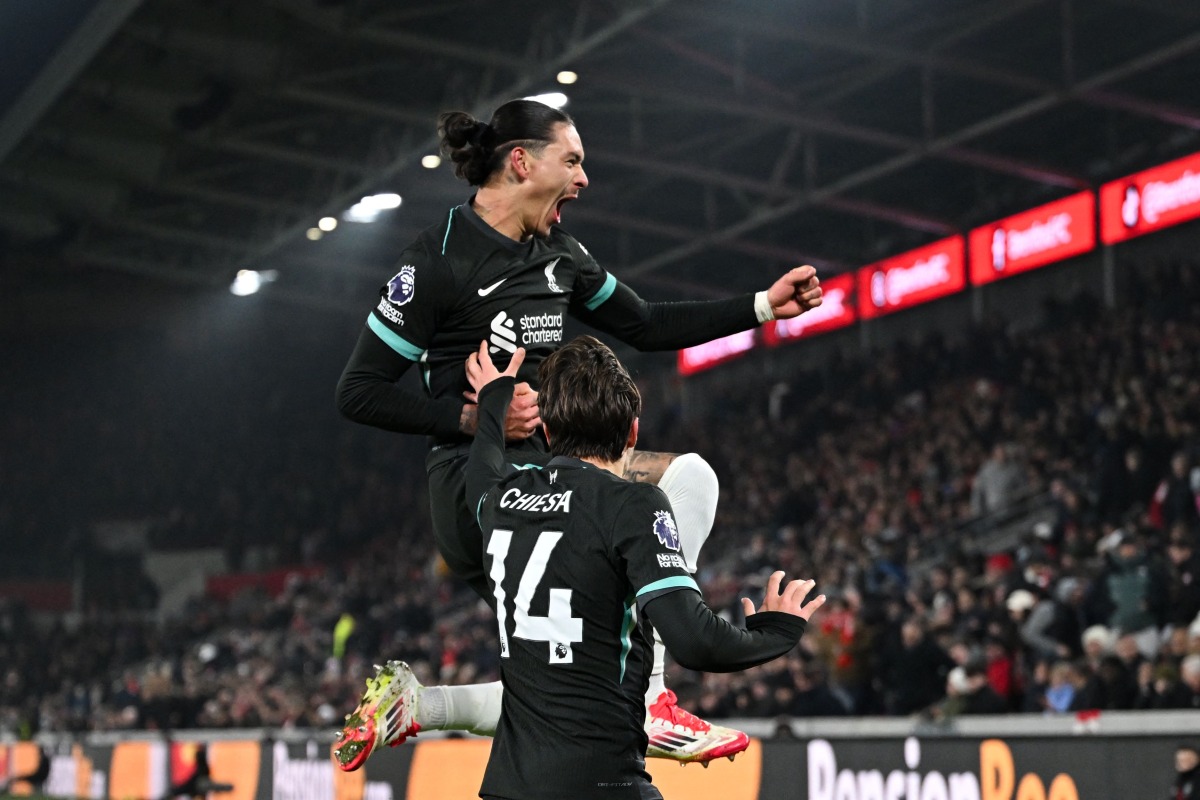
518,500
389,311
541,329
671,560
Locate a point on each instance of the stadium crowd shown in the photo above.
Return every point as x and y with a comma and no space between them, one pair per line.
874,469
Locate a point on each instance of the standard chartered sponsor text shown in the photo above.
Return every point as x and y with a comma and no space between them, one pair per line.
541,328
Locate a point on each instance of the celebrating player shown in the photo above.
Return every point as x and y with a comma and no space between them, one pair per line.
499,268
579,560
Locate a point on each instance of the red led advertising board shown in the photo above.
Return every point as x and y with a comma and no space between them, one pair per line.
912,278
837,310
1150,200
1033,238
703,356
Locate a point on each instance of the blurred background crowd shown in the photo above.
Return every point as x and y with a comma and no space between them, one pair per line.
1004,521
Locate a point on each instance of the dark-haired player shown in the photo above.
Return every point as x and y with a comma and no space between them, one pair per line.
579,560
499,268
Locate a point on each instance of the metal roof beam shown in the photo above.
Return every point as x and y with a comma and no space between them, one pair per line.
70,59
906,159
827,125
567,57
909,219
959,67
331,22
682,233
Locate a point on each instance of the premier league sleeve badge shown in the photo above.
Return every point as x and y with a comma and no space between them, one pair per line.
401,288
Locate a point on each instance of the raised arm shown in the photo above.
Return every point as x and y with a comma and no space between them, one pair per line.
698,639
618,310
485,464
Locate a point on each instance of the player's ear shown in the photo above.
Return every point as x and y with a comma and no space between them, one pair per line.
518,158
546,432
631,442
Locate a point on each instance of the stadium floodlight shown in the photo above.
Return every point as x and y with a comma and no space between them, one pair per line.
431,161
552,99
567,77
369,208
247,282
314,234
382,201
327,224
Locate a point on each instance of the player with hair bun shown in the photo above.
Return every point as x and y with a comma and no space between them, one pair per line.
500,268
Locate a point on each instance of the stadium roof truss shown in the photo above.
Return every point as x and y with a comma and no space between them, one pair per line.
184,140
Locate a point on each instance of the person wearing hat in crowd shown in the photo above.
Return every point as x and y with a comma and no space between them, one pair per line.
1187,773
1036,619
967,692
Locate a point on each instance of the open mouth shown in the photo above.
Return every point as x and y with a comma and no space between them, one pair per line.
558,207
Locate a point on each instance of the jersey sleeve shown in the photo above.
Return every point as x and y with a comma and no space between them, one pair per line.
593,284
700,640
412,303
646,540
600,300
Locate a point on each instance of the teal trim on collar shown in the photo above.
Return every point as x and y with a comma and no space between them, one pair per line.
449,222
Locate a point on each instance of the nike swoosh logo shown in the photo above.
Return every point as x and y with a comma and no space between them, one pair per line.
485,291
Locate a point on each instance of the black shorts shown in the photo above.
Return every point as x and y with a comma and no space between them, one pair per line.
455,530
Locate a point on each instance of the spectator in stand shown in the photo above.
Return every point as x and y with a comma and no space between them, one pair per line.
1133,488
1097,642
1175,499
1000,481
1184,591
1059,694
1159,687
1036,619
967,692
1187,773
1189,674
812,697
915,670
1130,594
1126,649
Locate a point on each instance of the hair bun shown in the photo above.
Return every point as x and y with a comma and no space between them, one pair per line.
459,129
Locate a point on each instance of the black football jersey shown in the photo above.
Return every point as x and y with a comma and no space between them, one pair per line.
462,282
572,550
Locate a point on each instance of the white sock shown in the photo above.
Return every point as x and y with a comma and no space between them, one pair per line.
474,708
692,487
658,683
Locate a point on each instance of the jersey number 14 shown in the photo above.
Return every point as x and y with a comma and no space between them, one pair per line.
558,627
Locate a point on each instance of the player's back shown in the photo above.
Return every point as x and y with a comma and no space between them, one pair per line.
574,662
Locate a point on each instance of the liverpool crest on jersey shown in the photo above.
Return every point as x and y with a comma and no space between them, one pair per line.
665,530
401,288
